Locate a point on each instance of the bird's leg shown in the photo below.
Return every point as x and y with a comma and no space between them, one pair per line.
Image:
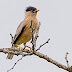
24,45
19,47
27,46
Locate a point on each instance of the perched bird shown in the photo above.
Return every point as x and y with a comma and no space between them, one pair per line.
23,32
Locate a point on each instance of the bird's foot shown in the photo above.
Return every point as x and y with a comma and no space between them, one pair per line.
19,47
29,47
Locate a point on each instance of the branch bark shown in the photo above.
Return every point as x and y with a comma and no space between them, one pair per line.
51,60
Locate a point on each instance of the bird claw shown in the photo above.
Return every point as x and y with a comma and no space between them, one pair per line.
23,48
29,47
19,47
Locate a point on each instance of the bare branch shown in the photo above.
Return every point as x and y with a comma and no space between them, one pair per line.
19,60
15,64
14,51
43,44
33,48
36,35
67,59
26,52
51,60
11,36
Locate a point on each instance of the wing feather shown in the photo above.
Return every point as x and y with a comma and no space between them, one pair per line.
19,31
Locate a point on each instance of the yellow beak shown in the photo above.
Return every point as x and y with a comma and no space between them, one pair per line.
37,10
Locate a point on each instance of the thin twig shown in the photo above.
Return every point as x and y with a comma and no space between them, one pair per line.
43,44
11,36
19,60
36,35
67,59
33,48
15,64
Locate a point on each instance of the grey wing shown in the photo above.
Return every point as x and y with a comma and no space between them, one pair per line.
19,31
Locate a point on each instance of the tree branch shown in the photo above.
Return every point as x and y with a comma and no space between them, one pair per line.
15,64
16,51
43,44
67,59
36,35
51,60
33,48
19,60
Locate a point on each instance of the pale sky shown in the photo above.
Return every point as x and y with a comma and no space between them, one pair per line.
56,23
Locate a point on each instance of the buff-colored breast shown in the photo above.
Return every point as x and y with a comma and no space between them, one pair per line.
26,35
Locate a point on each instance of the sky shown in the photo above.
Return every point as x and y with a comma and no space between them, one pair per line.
56,23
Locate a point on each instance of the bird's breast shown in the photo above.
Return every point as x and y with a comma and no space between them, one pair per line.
27,35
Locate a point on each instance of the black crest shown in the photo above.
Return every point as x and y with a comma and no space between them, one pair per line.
30,8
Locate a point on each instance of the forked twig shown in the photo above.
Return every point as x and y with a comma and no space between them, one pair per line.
15,64
19,60
43,44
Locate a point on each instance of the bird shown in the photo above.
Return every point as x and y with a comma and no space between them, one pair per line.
23,32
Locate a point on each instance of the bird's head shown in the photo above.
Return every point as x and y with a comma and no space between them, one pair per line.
32,10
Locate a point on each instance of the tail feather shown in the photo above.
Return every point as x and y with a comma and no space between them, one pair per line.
9,56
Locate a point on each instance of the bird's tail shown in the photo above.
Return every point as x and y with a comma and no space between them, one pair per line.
9,56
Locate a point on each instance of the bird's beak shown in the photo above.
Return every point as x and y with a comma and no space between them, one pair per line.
37,10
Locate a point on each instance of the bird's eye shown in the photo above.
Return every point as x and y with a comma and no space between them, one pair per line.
33,11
